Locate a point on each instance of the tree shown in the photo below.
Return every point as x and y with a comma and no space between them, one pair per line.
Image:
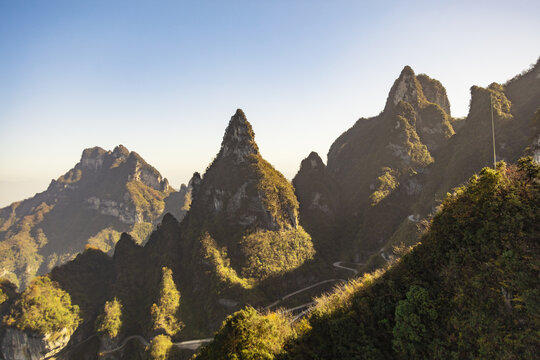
110,322
163,312
44,308
415,318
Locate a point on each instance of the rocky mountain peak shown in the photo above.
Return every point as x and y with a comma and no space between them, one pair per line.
434,92
120,152
92,158
313,161
239,138
406,88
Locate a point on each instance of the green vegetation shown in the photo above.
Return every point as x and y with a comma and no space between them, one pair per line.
415,319
278,193
83,206
248,335
221,264
387,183
163,313
270,253
109,322
149,201
160,347
44,308
105,239
417,153
141,231
469,290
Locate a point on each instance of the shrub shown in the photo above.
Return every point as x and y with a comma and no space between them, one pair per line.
44,308
248,335
160,346
110,322
164,311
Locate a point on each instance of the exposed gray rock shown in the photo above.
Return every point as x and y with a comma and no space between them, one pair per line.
18,345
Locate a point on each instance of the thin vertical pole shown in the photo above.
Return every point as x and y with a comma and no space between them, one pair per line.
493,132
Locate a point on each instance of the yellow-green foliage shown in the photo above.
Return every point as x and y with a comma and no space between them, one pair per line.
71,177
19,252
342,295
278,193
221,263
387,183
141,231
160,347
105,239
248,335
148,200
501,105
468,291
435,117
44,308
109,322
274,252
3,297
415,150
163,312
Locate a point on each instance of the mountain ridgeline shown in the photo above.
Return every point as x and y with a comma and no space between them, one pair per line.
242,237
105,194
387,173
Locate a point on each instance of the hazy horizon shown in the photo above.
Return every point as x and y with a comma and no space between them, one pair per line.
164,79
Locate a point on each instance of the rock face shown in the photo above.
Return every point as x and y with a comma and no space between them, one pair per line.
17,345
397,163
106,193
319,196
233,190
243,204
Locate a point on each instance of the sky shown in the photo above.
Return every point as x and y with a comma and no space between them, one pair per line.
163,78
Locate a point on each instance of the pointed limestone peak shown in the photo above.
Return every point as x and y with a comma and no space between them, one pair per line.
194,184
406,88
92,158
195,180
312,162
239,138
434,92
483,98
120,152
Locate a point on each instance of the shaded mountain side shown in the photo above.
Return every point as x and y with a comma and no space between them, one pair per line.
396,166
105,194
245,212
374,161
319,197
469,290
240,243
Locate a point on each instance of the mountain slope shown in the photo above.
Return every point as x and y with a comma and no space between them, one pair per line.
106,193
469,290
395,167
249,208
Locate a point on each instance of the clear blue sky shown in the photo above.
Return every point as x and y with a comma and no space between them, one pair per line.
164,77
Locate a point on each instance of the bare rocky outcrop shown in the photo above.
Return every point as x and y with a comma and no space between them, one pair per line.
106,192
18,345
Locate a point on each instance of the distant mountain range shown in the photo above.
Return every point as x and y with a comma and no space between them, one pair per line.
241,234
105,194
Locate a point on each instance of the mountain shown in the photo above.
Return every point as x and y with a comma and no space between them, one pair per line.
387,173
239,243
468,291
248,207
106,193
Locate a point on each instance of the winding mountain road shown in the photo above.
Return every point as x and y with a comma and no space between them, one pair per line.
124,343
300,291
338,265
195,344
